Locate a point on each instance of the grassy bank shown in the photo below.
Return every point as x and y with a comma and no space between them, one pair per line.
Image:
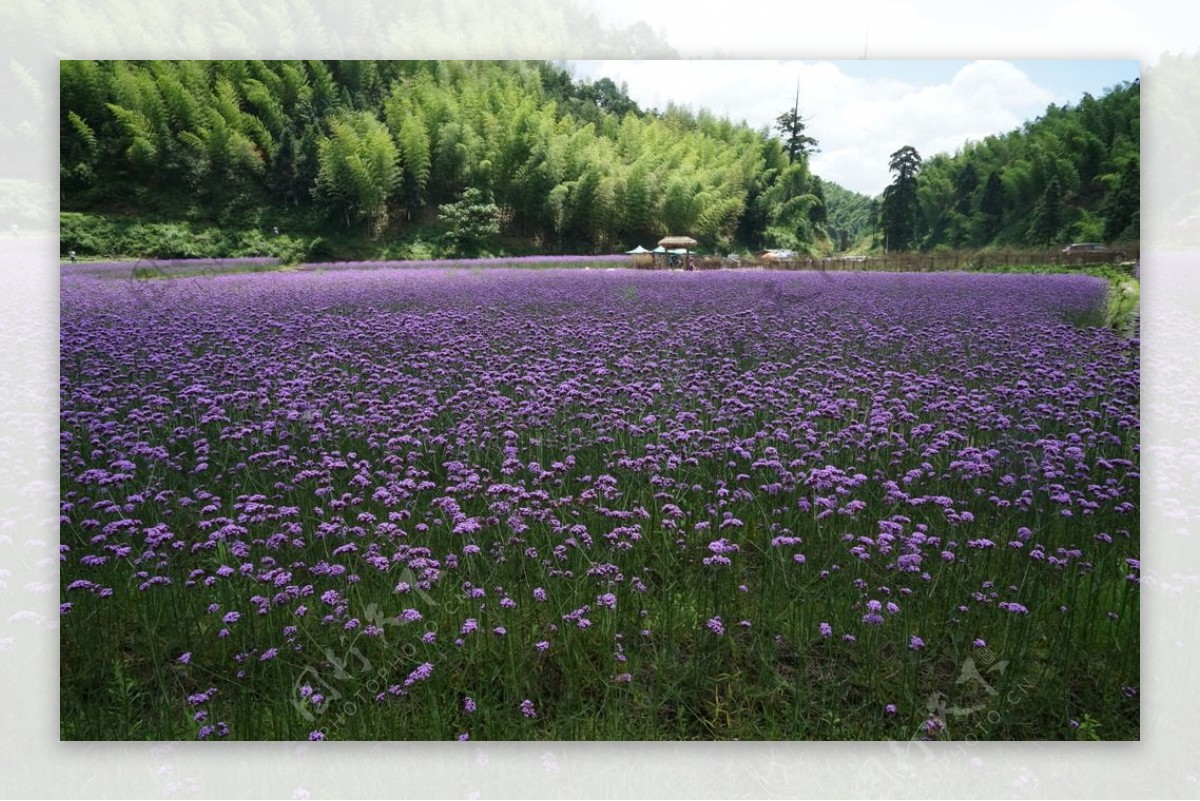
292,238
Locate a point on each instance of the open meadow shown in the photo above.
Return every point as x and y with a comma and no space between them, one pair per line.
603,504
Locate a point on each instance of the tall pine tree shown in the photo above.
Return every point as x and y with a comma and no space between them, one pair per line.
1048,215
791,127
899,210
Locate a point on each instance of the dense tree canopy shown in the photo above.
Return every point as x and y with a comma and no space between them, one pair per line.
568,164
1070,175
377,147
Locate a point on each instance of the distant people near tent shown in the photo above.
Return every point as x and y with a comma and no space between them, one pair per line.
678,249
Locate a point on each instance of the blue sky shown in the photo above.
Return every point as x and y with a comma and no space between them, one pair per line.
1068,79
861,111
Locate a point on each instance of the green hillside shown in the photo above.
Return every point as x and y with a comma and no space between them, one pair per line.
1070,175
375,151
386,159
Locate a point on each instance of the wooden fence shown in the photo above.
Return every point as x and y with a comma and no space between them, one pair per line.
928,262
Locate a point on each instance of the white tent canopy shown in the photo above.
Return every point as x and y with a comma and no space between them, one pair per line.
638,249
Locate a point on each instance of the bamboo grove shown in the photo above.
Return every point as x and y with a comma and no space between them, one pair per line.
384,150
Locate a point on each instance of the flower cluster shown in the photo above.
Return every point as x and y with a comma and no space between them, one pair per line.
457,468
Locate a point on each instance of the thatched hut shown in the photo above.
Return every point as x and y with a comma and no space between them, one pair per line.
672,245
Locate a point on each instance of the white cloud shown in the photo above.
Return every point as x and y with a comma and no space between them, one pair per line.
858,121
925,29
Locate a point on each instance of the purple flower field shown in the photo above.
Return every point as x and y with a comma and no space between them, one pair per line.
509,504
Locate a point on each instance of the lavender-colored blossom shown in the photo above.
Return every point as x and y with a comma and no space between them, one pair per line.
420,673
290,440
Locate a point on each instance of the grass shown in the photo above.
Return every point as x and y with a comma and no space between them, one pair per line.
291,236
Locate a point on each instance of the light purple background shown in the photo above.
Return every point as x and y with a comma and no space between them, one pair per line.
36,34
